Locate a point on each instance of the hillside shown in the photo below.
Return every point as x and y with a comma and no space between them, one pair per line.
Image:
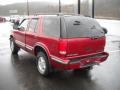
103,8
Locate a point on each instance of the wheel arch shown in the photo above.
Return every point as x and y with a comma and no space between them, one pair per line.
39,47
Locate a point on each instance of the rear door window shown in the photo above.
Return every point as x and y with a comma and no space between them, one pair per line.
79,26
51,26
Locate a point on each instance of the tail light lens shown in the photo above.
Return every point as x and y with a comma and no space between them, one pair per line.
63,47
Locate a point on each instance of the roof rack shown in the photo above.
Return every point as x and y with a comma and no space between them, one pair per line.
58,14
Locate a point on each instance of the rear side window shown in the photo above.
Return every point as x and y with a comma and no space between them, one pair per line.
51,26
33,25
79,26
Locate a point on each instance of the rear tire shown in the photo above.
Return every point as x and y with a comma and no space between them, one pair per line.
13,46
43,64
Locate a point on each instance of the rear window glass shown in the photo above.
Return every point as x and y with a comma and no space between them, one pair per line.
80,26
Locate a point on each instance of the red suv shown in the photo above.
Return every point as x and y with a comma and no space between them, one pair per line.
60,41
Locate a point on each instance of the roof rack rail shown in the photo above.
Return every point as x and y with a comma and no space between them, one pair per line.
58,14
46,14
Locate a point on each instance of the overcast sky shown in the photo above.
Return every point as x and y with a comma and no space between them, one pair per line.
5,2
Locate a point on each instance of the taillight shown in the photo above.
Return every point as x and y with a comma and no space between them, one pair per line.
63,47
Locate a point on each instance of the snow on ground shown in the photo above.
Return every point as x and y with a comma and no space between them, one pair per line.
5,29
113,26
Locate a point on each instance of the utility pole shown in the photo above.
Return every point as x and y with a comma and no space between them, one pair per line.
78,6
59,6
93,8
27,7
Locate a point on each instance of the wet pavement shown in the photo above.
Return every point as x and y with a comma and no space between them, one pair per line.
20,72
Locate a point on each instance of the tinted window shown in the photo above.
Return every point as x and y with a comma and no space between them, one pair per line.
24,24
79,26
51,26
33,25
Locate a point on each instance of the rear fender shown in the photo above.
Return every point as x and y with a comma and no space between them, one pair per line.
44,47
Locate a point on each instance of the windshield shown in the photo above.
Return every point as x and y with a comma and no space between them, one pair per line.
80,26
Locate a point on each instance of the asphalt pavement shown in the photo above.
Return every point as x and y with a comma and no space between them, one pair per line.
19,72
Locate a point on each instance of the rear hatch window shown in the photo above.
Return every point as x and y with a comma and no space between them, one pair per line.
80,26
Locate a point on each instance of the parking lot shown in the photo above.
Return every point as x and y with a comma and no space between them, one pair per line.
20,72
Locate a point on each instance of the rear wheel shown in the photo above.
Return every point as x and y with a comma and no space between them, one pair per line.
43,64
14,48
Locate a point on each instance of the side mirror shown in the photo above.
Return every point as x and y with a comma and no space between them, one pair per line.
15,26
105,30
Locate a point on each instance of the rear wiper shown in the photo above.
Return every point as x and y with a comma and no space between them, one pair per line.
94,37
76,23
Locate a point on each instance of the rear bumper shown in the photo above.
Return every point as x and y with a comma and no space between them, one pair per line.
79,62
